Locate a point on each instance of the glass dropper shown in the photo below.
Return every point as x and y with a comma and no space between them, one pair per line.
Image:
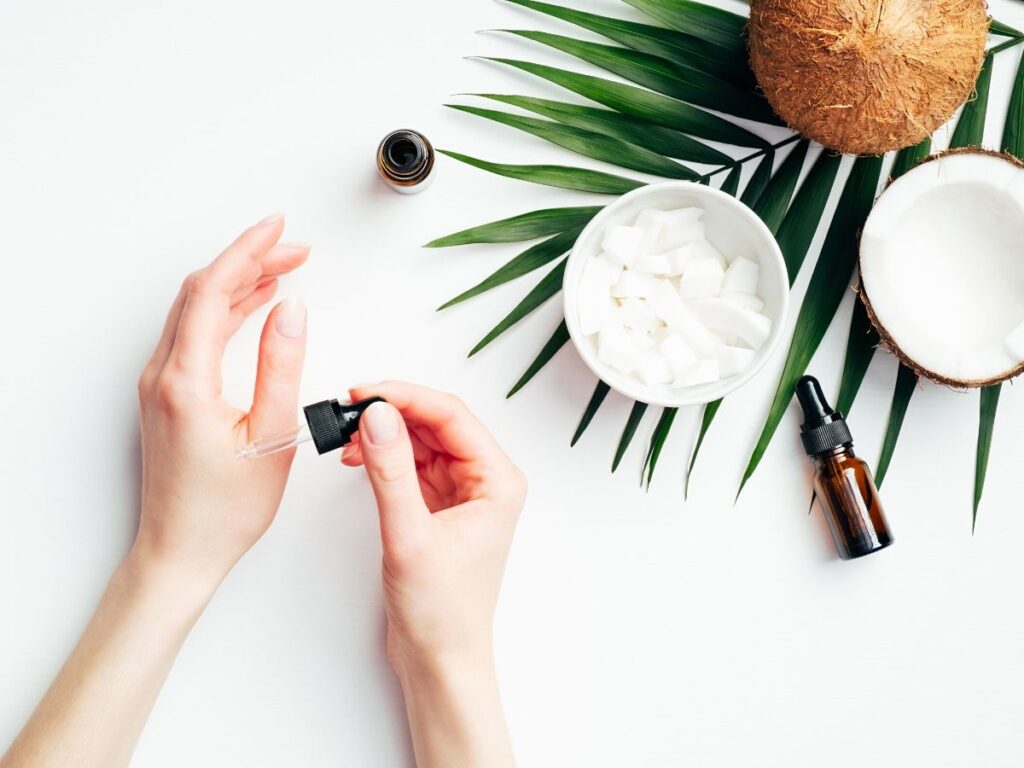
282,441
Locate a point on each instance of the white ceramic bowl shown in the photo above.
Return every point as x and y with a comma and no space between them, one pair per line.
733,229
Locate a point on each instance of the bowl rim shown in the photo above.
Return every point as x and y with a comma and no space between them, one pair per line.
635,389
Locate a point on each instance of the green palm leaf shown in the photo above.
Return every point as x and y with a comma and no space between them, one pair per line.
588,143
657,443
1005,30
635,415
656,138
558,340
566,177
970,127
683,50
906,382
706,22
732,180
549,285
801,222
986,426
863,338
600,393
642,104
710,411
526,226
534,257
759,179
829,283
663,76
773,203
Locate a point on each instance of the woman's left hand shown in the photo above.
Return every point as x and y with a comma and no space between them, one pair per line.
202,509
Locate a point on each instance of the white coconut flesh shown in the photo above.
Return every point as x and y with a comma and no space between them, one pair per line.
942,266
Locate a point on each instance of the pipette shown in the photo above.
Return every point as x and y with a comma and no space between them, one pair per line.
329,424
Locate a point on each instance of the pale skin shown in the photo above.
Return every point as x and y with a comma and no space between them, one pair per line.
447,495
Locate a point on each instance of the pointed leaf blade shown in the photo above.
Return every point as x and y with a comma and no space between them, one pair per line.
600,393
635,416
565,177
516,229
661,431
699,20
906,382
759,179
970,127
534,257
558,340
642,104
587,143
804,216
773,202
986,425
732,180
656,138
710,411
549,285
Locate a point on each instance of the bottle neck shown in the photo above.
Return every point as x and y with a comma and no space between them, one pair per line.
823,458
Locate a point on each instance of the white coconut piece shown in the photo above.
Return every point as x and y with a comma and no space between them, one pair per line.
702,278
732,320
625,244
653,369
678,354
745,300
741,276
653,220
595,309
733,360
679,227
653,264
601,270
616,349
701,372
1015,342
942,271
678,259
637,315
634,285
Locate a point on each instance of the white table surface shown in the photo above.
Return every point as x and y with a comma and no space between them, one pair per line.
634,629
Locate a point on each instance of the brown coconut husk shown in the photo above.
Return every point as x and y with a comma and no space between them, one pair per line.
886,338
867,76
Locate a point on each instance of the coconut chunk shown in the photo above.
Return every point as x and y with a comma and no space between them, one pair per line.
615,348
634,285
745,300
601,270
653,369
637,315
626,244
595,310
1015,342
702,372
741,276
653,264
680,226
678,354
724,316
733,360
701,279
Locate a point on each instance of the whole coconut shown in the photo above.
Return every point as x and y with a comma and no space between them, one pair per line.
867,76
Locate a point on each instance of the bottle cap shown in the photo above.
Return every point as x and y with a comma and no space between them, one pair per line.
332,424
823,429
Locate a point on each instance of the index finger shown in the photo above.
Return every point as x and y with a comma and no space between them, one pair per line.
457,430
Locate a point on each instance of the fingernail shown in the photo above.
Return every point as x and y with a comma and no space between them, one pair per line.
291,318
272,218
366,385
348,450
293,246
379,424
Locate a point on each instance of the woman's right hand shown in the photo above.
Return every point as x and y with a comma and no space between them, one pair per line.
449,499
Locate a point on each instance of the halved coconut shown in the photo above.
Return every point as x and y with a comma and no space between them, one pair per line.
942,267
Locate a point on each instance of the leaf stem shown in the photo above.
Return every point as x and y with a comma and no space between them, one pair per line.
1003,46
752,156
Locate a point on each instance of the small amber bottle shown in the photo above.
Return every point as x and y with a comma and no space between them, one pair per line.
405,160
842,482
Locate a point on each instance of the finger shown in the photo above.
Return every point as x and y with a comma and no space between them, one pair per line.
388,458
279,370
264,292
457,430
166,342
351,454
280,260
202,331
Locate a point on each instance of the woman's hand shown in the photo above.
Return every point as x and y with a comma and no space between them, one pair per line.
449,499
202,509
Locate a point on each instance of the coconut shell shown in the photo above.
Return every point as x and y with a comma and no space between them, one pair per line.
867,76
890,343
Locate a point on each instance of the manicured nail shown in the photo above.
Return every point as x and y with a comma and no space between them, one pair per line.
348,450
272,218
291,318
366,385
379,424
292,246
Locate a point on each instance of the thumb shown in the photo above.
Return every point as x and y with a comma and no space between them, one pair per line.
279,370
388,458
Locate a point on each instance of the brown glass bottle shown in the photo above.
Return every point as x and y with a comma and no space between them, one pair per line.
842,482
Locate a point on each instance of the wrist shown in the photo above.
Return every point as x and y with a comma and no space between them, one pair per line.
443,667
180,591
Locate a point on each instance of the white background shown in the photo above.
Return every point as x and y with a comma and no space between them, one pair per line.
136,139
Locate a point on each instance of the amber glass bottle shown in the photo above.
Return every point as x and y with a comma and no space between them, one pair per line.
842,482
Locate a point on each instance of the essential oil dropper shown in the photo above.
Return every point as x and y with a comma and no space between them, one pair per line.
329,424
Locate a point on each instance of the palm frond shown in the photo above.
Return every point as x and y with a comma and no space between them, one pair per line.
549,285
558,340
636,414
566,177
525,226
906,382
717,26
596,399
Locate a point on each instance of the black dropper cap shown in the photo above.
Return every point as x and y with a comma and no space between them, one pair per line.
332,424
823,429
